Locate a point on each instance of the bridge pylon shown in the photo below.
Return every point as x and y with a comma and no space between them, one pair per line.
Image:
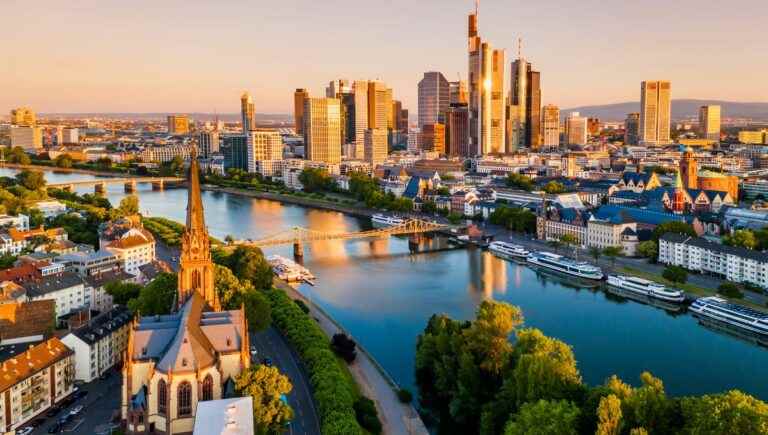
158,185
130,187
99,188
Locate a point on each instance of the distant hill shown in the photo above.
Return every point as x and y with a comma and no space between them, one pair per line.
226,117
683,108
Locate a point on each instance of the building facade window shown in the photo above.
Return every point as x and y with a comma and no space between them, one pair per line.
162,397
184,399
208,388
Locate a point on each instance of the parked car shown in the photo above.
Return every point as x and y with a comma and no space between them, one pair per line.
56,428
267,362
26,430
76,410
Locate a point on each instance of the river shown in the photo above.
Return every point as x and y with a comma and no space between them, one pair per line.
384,297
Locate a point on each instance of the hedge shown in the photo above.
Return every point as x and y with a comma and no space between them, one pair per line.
334,392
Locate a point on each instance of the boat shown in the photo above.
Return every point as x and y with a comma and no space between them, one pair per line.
508,251
290,271
565,265
646,288
382,220
672,308
719,309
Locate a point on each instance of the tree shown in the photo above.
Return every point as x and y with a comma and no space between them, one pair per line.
63,161
569,240
235,293
249,264
267,386
612,252
157,297
454,218
731,413
544,418
648,249
129,205
122,292
488,337
673,227
104,163
741,238
367,416
32,180
609,416
675,274
344,347
519,181
316,180
7,261
730,290
554,187
555,244
19,156
595,252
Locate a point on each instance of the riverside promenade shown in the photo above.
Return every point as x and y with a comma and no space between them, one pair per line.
396,417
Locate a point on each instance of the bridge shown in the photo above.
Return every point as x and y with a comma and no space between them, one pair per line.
297,236
100,185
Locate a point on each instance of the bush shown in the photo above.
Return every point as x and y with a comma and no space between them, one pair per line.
730,290
404,395
302,305
367,416
675,274
344,347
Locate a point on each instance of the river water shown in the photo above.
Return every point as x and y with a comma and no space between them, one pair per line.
384,296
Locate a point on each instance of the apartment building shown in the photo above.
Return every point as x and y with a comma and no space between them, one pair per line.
99,344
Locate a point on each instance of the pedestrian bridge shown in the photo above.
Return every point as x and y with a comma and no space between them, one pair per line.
297,236
130,183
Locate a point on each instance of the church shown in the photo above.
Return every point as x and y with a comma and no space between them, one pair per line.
195,353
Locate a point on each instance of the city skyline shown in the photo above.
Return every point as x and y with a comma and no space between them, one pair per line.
137,73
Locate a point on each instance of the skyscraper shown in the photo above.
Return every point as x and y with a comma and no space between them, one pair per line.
458,92
322,129
434,95
433,138
655,112
378,106
247,112
23,117
360,90
178,124
337,87
457,131
298,109
632,129
576,129
524,111
208,143
551,127
709,122
376,147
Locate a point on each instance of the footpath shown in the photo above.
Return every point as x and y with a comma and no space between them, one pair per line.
396,418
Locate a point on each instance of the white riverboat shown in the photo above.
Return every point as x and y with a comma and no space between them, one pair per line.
565,265
381,220
738,316
290,271
646,288
508,251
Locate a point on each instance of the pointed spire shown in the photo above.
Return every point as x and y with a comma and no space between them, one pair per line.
679,181
195,217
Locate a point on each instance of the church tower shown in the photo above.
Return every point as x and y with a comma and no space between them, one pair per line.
689,169
195,265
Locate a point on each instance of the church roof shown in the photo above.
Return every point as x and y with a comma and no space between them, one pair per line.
190,349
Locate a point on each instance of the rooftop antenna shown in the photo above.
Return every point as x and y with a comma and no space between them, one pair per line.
519,48
477,7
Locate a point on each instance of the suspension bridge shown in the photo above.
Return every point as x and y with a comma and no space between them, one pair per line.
298,236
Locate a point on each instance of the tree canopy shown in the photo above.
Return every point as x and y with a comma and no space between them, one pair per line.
267,386
157,297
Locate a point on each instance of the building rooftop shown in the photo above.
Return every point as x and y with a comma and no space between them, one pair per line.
51,283
24,364
103,325
224,417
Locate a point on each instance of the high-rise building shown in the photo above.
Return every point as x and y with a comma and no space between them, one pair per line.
178,124
458,92
486,93
23,116
524,111
378,106
388,114
403,123
337,87
593,126
348,115
709,122
247,112
298,109
434,95
576,129
457,131
397,112
263,145
655,112
414,136
28,138
376,146
551,127
235,150
433,138
632,129
208,143
322,129
360,90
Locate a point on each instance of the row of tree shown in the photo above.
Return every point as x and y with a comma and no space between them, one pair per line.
487,376
514,218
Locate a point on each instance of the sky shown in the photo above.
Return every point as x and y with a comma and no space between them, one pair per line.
200,55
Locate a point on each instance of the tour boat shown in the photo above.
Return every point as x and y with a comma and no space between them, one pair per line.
565,265
508,250
719,309
646,288
288,270
382,220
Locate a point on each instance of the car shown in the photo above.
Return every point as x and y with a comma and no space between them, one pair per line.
267,362
76,410
56,428
26,430
54,411
80,394
253,350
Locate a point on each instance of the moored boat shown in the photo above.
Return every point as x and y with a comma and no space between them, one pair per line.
382,220
646,288
565,265
738,316
508,251
290,271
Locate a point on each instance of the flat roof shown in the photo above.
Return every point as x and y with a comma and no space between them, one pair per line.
225,417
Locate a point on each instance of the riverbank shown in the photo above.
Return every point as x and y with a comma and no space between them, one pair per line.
65,170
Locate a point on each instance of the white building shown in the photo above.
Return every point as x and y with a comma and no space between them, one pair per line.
576,129
263,145
20,222
225,416
99,345
697,254
133,244
66,288
29,138
51,208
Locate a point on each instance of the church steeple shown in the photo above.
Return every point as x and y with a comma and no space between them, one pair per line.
195,265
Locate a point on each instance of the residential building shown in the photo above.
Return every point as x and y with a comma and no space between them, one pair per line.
550,127
263,144
208,143
166,153
457,131
375,146
23,321
20,222
225,416
70,136
129,240
23,117
593,127
414,135
91,263
753,137
433,138
178,124
434,98
99,344
576,129
299,96
247,113
604,233
655,112
50,208
632,129
66,288
28,138
34,380
322,129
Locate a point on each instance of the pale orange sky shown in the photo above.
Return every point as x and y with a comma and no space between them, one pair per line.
198,56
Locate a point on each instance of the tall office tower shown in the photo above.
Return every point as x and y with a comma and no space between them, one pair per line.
433,138
593,126
263,145
29,138
551,127
322,129
403,123
378,110
498,109
486,93
388,114
57,135
524,111
434,95
247,112
533,110
655,112
576,129
337,87
347,117
457,131
632,129
23,117
360,90
458,92
376,146
178,124
298,109
397,114
709,122
208,143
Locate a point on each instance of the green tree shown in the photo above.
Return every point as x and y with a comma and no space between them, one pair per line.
519,181
316,180
257,309
129,205
32,180
249,264
454,218
648,249
741,238
595,252
676,274
7,261
104,163
554,187
488,337
122,292
63,161
19,156
730,290
569,240
609,416
612,252
367,416
267,386
544,418
555,244
673,227
731,413
157,297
